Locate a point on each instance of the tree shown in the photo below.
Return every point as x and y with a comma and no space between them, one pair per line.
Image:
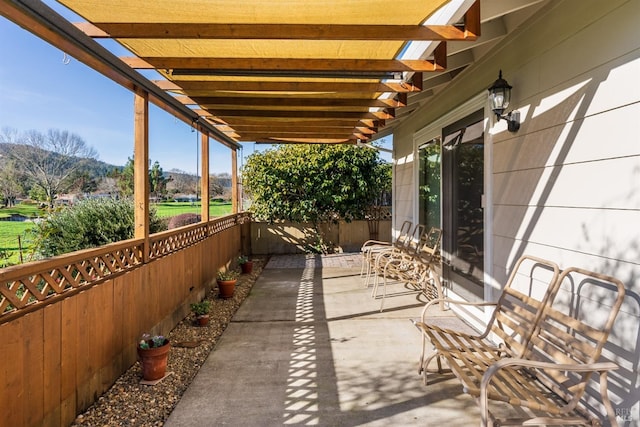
83,182
182,182
312,183
157,181
48,160
10,187
125,179
216,185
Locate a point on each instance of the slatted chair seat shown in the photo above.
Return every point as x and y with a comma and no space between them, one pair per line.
509,327
548,370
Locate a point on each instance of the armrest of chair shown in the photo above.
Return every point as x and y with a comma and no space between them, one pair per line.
375,243
454,302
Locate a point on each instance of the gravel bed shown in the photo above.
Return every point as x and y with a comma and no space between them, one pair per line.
127,403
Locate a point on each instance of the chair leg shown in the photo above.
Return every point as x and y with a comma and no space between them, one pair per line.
376,281
384,292
604,394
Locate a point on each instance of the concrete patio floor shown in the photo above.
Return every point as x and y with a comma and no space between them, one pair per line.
310,347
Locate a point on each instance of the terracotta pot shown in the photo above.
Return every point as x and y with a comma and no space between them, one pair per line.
203,320
227,288
154,361
247,267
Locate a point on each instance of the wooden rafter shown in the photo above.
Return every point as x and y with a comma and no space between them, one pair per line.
212,66
207,88
298,128
287,134
312,140
328,114
257,122
167,30
211,101
472,21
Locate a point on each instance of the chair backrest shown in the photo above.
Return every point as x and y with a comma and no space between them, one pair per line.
405,234
531,284
575,326
415,239
431,241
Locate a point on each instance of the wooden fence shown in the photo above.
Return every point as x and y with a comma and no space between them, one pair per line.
289,237
69,325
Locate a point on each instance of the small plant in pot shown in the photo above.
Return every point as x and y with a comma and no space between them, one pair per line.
227,283
245,264
153,354
201,310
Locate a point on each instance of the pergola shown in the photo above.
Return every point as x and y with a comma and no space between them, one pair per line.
328,71
274,72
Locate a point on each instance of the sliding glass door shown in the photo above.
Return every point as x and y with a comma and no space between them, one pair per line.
462,205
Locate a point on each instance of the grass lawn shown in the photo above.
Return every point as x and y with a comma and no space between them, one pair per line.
9,232
29,210
167,209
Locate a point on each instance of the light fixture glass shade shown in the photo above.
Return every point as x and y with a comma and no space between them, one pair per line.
499,95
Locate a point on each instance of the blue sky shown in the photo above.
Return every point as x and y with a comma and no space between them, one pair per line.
41,89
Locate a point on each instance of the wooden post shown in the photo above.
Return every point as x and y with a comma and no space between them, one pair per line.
141,169
204,181
234,181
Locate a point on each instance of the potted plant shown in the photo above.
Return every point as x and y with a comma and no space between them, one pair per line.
227,282
245,264
153,353
201,310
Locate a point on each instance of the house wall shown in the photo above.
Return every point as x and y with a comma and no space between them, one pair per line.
566,187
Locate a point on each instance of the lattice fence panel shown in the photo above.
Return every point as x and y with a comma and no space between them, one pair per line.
29,284
165,243
221,224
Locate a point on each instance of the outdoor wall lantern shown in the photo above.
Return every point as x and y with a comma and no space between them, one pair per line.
499,97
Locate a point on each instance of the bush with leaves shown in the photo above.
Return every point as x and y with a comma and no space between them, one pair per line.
88,224
183,219
313,183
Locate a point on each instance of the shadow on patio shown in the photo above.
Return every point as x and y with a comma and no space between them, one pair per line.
309,347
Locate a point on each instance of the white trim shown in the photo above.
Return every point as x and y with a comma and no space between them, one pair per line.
434,130
394,193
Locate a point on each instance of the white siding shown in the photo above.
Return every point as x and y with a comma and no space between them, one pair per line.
567,185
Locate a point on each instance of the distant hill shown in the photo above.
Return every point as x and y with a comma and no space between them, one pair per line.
95,168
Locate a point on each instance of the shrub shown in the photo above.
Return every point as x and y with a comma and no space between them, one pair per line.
88,224
182,220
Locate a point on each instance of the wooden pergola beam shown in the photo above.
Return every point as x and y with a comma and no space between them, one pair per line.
472,22
294,128
305,121
210,88
317,140
248,102
280,66
252,136
172,30
300,114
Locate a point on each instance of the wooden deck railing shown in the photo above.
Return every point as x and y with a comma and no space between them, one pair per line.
69,324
